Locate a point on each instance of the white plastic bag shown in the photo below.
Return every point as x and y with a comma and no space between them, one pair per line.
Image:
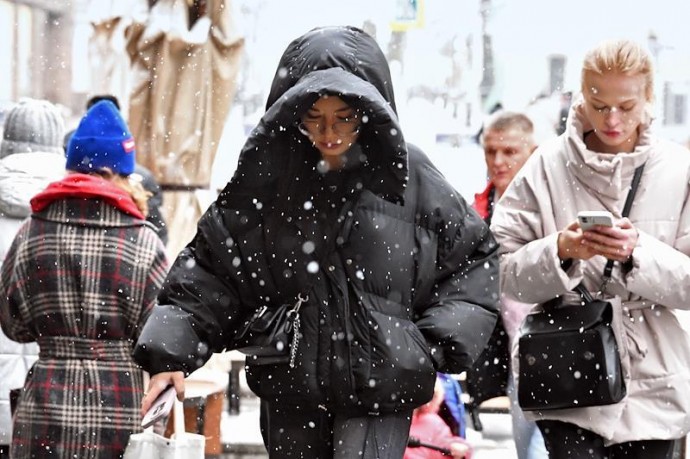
182,445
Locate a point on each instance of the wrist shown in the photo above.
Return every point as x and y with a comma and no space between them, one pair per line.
559,247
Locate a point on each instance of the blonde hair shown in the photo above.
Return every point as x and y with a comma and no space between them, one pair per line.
133,187
505,120
623,56
136,190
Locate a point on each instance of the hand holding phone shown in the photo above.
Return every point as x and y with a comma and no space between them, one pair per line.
160,407
590,218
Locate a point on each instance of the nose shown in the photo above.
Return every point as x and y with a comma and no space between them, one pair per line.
326,128
613,117
328,133
499,158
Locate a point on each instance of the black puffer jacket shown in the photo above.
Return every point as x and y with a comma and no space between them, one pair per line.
404,272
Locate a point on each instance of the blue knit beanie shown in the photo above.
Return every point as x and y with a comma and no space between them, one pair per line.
102,140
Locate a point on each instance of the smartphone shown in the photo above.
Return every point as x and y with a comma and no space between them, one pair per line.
160,408
589,218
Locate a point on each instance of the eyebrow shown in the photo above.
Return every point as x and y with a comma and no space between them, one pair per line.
596,99
337,110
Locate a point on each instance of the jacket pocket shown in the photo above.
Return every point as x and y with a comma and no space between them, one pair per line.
391,364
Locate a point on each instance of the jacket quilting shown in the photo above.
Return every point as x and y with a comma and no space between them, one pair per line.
403,270
562,178
21,176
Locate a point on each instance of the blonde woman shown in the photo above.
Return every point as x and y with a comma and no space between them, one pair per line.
545,253
79,278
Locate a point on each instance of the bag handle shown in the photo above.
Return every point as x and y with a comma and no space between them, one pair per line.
584,293
608,269
178,418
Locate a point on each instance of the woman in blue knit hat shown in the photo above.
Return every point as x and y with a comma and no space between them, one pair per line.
79,278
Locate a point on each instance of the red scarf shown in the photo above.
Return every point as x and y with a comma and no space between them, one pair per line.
86,187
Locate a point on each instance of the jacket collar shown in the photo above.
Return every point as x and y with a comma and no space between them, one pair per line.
86,187
602,173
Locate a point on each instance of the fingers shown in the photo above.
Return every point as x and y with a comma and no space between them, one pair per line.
612,253
625,223
178,382
158,383
574,226
615,243
149,398
570,243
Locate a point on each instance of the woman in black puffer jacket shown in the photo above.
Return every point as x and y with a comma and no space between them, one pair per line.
329,201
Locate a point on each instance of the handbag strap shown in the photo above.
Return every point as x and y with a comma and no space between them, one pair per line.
178,418
608,269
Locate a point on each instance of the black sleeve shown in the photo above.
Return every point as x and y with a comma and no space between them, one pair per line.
458,311
198,306
462,311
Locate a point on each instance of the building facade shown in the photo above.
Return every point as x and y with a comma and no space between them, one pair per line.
35,50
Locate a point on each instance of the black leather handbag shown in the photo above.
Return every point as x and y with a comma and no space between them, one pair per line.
568,355
271,335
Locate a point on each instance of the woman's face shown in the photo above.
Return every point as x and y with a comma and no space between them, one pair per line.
332,126
615,106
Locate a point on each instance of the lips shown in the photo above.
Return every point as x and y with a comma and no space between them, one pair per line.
612,133
330,145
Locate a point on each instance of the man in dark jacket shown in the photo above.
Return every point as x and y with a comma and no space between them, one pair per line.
398,272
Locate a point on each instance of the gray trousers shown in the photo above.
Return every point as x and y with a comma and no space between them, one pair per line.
295,432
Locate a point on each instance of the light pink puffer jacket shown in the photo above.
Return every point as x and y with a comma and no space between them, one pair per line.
562,178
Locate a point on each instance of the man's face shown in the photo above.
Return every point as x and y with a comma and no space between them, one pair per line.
505,152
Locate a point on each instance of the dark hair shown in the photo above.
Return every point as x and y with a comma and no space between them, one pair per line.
95,99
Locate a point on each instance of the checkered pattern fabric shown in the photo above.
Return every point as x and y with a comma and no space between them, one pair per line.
80,278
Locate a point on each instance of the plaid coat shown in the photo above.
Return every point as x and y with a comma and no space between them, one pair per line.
79,278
